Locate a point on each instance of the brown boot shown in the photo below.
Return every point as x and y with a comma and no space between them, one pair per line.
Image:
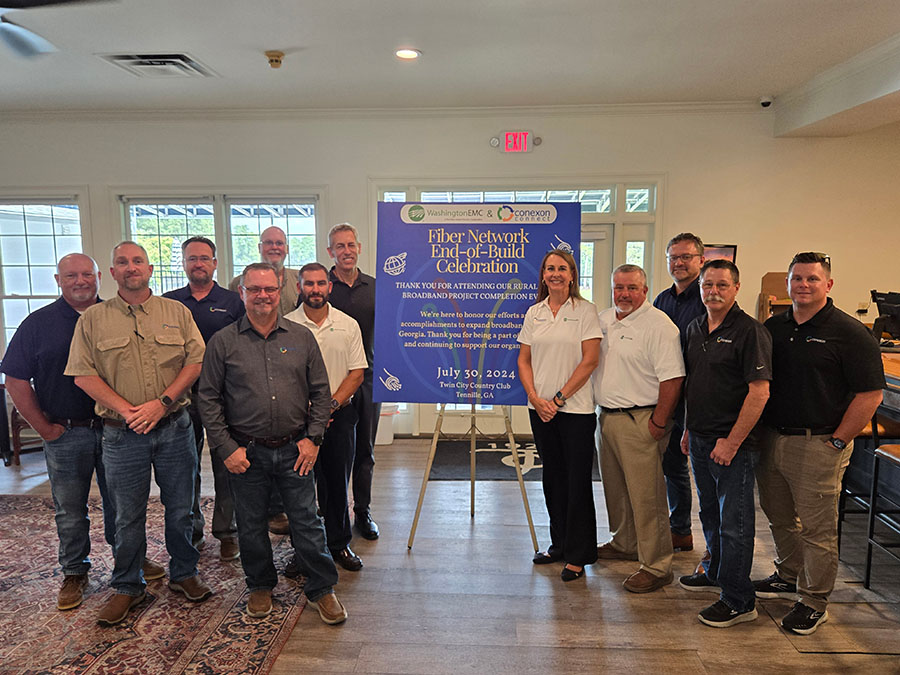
194,588
116,608
682,542
278,524
259,604
229,549
643,581
72,592
152,570
330,609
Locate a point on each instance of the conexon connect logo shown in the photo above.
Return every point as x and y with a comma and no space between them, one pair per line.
505,213
416,213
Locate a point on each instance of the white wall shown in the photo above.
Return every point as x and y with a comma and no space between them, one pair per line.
725,176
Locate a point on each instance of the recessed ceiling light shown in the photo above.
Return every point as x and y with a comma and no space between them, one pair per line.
408,54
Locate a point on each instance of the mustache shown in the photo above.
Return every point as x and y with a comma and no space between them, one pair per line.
715,297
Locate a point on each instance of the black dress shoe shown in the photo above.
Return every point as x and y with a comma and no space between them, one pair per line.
545,557
347,559
366,527
571,575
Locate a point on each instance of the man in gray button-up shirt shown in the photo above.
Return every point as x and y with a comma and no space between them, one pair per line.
264,399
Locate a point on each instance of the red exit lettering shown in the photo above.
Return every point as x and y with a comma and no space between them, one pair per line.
516,141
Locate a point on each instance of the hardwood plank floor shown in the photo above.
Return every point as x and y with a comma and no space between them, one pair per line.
467,598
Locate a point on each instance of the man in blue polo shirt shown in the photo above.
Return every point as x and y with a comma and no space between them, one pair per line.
681,302
64,417
213,308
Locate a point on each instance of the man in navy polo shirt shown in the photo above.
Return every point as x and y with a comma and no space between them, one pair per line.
728,358
827,383
213,308
64,417
681,302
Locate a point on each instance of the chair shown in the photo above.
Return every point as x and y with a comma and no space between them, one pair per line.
888,517
17,425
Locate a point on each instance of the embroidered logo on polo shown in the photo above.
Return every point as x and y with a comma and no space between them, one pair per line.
810,338
285,350
168,325
626,337
725,340
218,309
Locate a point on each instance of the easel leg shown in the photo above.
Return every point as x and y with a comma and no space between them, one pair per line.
434,442
515,455
472,432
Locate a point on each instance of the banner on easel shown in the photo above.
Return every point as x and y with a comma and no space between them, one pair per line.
454,282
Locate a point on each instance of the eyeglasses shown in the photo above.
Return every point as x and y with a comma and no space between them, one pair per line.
205,259
272,242
684,257
256,290
811,257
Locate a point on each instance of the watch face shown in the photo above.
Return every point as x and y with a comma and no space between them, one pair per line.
838,443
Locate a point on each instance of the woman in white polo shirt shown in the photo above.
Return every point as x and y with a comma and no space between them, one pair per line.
560,347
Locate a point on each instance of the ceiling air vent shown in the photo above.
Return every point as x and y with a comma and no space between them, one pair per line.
161,66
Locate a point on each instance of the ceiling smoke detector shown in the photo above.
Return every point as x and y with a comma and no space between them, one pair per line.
275,58
160,66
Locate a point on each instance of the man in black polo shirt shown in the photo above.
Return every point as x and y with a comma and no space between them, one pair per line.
728,358
827,384
64,417
213,308
354,293
681,302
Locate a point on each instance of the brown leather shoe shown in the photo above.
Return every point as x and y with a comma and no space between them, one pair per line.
644,582
229,549
194,588
330,609
116,608
152,570
607,552
682,542
278,524
706,558
72,591
259,604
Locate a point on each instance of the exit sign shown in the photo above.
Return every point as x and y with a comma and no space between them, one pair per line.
516,141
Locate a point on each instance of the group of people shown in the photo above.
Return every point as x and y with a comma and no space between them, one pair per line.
277,374
692,375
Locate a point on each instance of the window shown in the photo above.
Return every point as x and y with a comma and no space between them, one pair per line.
249,220
162,223
161,229
592,201
33,237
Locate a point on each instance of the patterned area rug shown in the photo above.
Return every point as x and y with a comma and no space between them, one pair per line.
164,634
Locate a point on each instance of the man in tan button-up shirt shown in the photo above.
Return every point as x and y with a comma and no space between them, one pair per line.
137,356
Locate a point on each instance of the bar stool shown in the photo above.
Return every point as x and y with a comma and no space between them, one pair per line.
891,455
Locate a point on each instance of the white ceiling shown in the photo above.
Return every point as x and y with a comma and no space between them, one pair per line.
476,52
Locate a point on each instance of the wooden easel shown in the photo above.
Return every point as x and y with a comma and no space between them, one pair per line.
472,434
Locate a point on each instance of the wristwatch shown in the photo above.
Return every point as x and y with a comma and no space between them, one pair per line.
837,442
559,397
334,404
317,440
166,400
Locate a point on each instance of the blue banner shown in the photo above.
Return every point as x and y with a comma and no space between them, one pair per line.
454,282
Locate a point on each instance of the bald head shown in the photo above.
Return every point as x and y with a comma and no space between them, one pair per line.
273,246
78,279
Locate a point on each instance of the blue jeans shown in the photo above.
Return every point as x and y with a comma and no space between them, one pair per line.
128,457
678,483
71,461
273,469
728,516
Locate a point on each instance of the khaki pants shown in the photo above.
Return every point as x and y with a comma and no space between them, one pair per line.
635,490
799,481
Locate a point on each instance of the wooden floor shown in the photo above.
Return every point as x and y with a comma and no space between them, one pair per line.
467,598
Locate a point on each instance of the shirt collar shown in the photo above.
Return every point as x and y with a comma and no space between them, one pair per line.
125,308
818,318
306,321
244,325
645,307
67,309
729,319
361,278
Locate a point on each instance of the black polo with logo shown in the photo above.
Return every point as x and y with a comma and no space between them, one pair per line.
818,367
720,365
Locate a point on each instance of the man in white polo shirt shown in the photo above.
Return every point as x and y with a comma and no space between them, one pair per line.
637,385
340,342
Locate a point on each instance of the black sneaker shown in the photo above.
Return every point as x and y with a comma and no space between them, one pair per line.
775,587
803,620
699,582
720,615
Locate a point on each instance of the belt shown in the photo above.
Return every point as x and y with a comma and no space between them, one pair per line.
267,441
90,423
120,424
800,431
626,411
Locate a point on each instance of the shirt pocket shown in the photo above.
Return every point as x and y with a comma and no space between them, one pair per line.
113,354
169,352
